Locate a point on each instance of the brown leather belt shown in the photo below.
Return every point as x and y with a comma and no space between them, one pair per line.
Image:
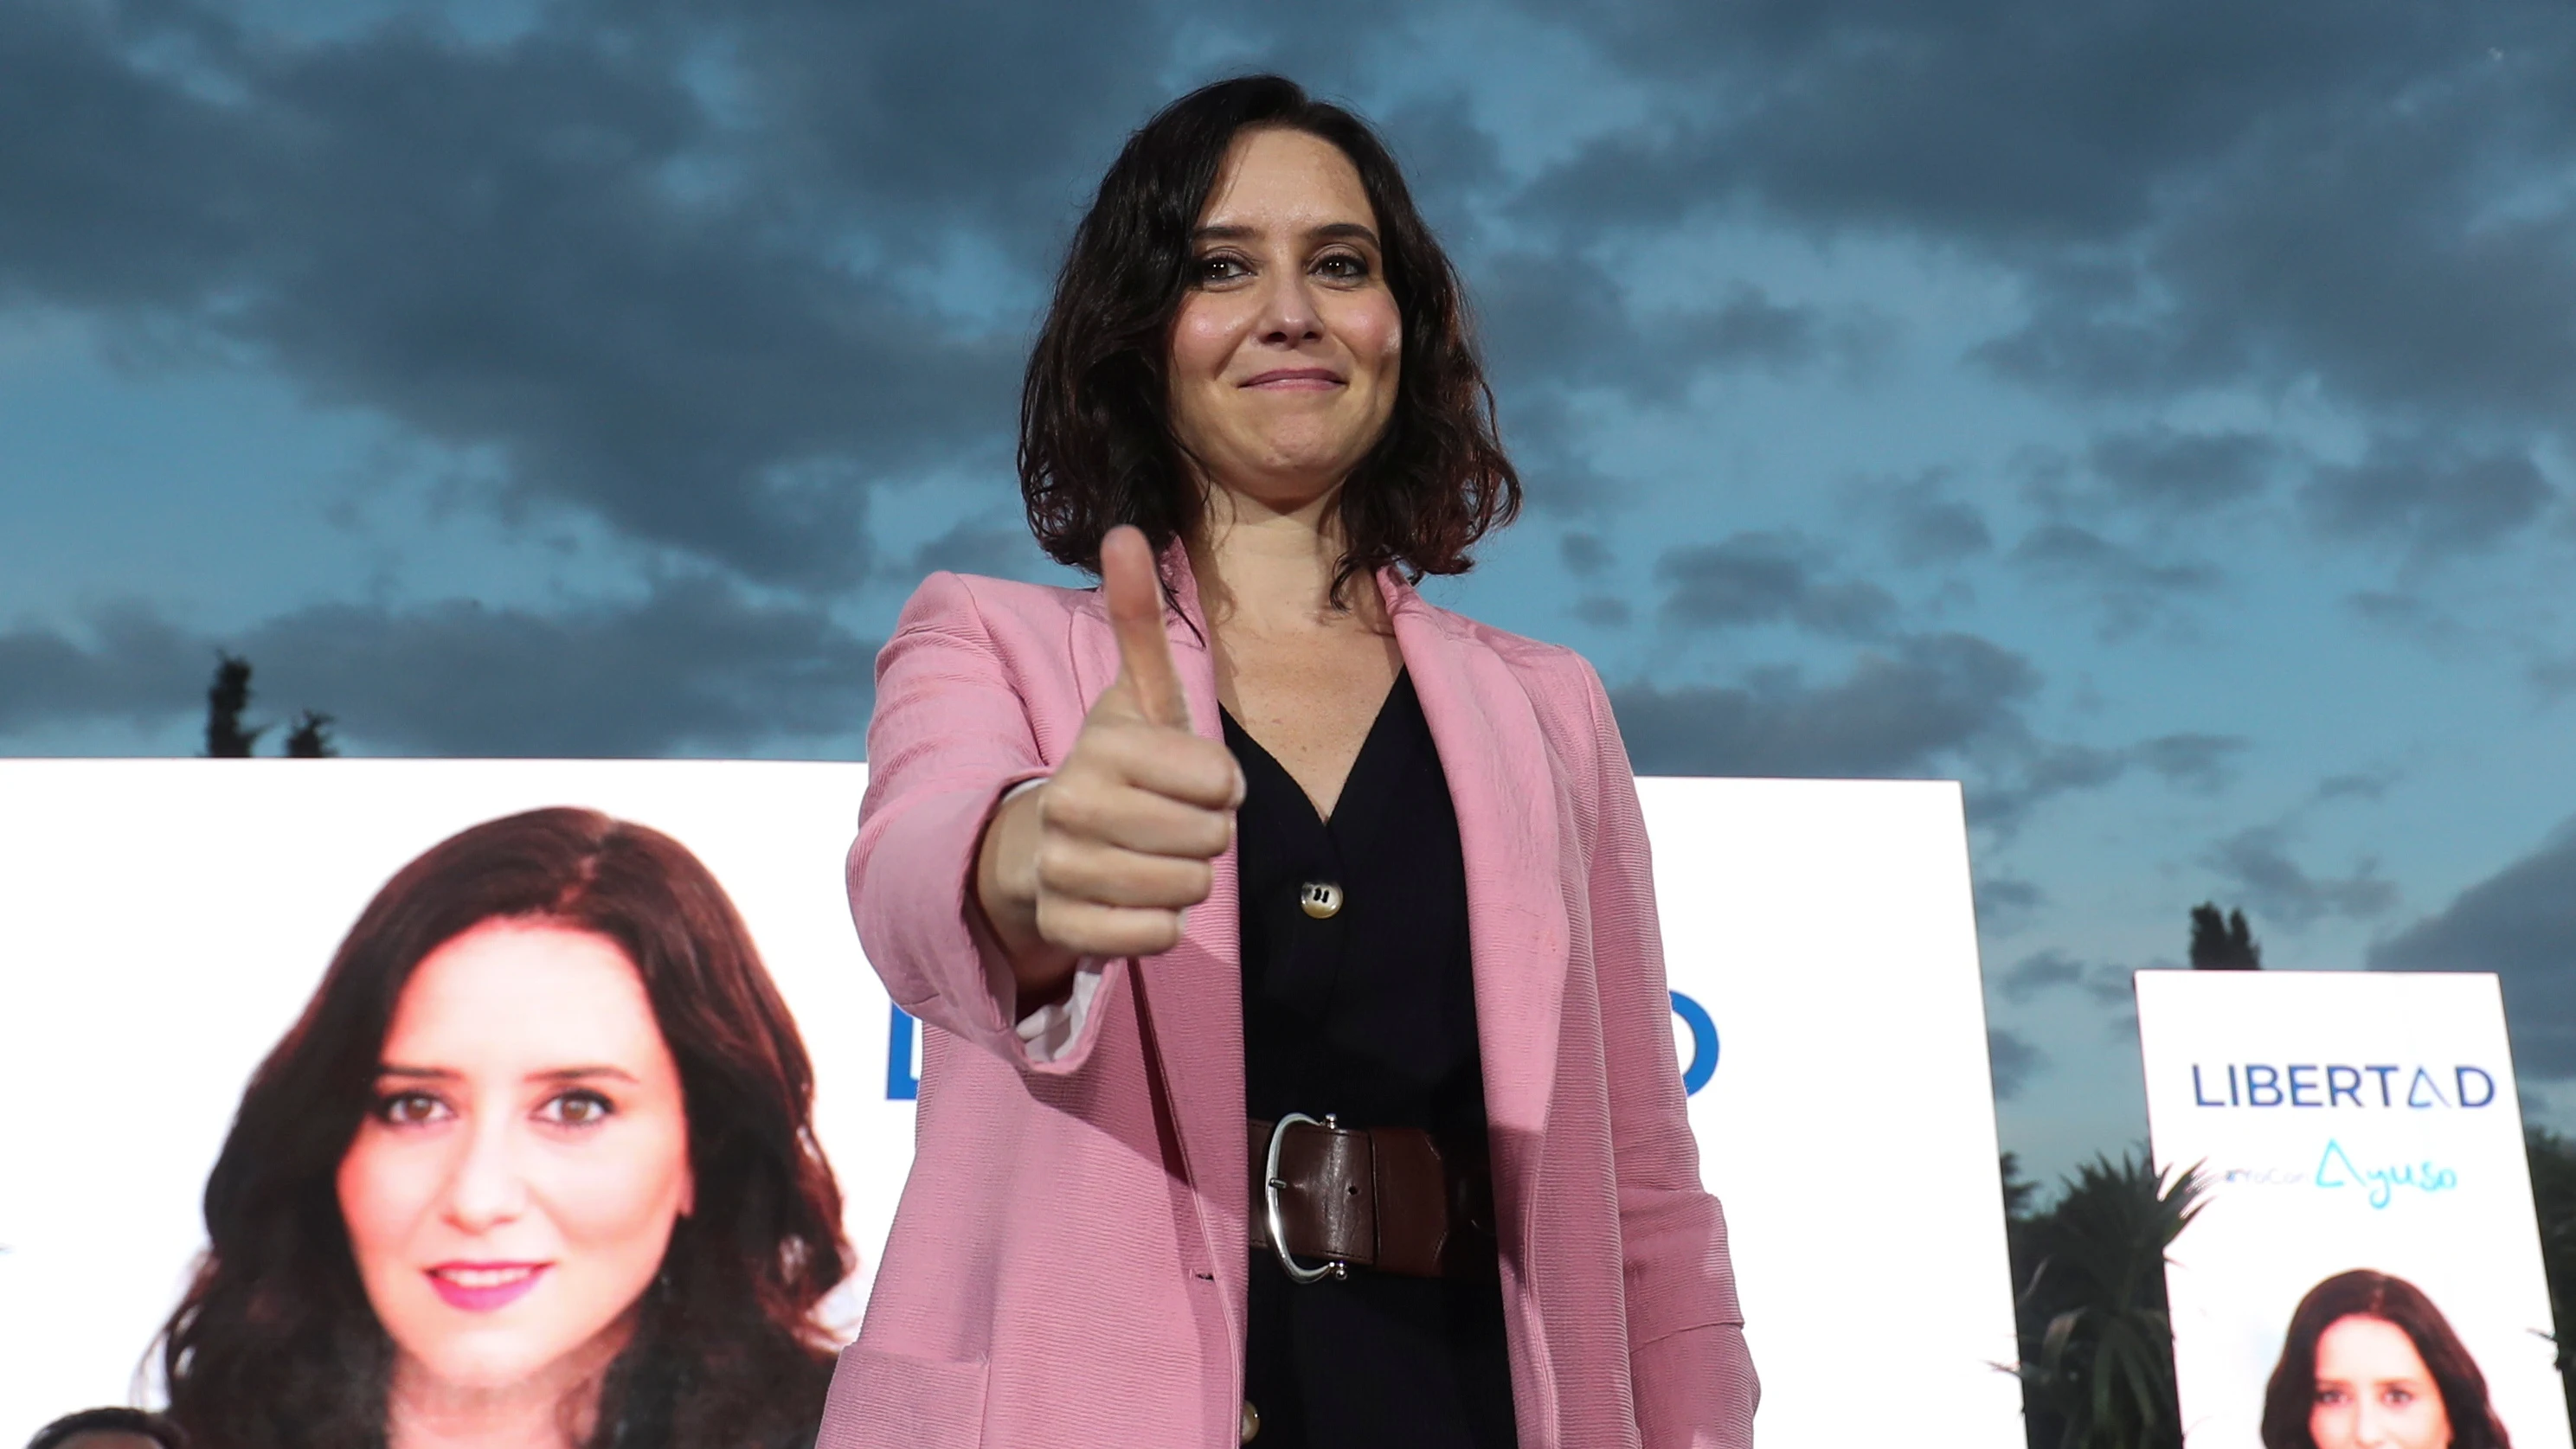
1384,1198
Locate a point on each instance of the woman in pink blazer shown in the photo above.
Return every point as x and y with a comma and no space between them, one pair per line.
1301,1066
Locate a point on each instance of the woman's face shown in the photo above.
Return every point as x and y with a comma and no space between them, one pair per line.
509,1197
2373,1391
1285,352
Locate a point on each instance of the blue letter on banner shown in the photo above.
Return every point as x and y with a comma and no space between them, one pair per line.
1703,1059
903,1082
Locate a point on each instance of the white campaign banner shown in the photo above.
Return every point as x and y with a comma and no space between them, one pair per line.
162,923
2369,1215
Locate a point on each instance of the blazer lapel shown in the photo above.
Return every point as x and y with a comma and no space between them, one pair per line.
1497,761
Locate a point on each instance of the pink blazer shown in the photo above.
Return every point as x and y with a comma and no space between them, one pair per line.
1068,1263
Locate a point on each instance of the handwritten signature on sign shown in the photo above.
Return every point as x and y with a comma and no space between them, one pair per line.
2336,1169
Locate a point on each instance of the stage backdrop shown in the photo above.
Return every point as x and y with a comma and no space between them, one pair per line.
2347,1120
163,922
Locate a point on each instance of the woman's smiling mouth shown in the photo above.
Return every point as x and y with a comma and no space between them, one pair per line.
1295,379
484,1287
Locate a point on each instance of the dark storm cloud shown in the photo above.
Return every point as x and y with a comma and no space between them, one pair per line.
2257,862
2128,588
2046,973
2196,192
126,663
1895,713
2015,1061
1767,578
691,667
2039,973
2521,924
2428,502
2198,762
2004,903
2163,470
1585,555
525,251
1560,320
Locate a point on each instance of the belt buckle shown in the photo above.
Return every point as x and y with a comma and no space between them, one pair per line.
1272,1184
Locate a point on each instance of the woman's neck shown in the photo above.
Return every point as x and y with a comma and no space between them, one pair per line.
1270,571
555,1408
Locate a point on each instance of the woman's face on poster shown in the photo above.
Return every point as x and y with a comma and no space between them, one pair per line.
2373,1391
510,1195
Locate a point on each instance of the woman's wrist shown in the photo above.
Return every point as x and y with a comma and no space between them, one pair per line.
1006,892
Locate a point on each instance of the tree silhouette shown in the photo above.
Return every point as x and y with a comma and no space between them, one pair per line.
311,737
227,738
2222,943
225,701
2096,1343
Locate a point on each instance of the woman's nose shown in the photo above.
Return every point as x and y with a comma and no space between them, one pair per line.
485,1187
1288,309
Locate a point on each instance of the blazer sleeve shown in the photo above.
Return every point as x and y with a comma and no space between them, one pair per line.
1692,1376
951,734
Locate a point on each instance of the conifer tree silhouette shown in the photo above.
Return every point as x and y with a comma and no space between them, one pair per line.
226,739
311,737
2222,943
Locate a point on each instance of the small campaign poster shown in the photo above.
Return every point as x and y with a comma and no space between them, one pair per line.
2366,1267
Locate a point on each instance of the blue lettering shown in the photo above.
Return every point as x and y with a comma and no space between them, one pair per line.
2255,1087
903,1082
2198,1097
2342,1082
2484,1081
1703,1058
2424,1083
2380,1184
2231,1086
2383,1073
2309,1086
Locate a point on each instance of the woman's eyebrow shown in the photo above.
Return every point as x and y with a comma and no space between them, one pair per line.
1334,230
419,1074
572,1074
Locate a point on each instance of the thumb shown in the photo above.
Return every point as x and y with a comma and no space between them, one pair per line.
1135,599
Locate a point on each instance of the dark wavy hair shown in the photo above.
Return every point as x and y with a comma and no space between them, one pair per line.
2291,1397
275,1344
1097,447
108,1421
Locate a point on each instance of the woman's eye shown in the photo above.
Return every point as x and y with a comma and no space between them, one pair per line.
2398,1398
2329,1396
577,1109
1342,267
1221,269
408,1109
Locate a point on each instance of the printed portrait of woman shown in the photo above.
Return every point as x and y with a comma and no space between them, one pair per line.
2370,1363
534,1168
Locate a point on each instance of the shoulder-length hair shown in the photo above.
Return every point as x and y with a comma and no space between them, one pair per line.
275,1343
2291,1396
1097,447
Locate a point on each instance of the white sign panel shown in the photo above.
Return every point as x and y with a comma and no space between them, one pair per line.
163,923
2367,1263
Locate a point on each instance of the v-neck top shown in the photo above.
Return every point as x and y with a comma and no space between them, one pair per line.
1366,1008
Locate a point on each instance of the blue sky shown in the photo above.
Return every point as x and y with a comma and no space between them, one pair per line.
2154,414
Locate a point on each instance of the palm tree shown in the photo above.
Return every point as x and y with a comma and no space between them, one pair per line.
2097,1343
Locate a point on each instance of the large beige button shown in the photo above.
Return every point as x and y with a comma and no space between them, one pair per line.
1251,1421
1321,899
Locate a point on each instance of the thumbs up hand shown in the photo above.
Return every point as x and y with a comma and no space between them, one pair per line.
1104,857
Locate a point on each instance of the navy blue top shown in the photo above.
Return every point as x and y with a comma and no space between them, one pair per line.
1369,1014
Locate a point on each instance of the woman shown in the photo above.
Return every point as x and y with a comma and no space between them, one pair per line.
2370,1363
534,1168
1253,895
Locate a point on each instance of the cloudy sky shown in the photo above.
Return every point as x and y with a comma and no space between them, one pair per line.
2152,412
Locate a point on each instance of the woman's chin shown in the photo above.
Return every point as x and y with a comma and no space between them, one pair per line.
497,1361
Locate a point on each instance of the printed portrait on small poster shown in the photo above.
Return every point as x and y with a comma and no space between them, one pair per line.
2366,1269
